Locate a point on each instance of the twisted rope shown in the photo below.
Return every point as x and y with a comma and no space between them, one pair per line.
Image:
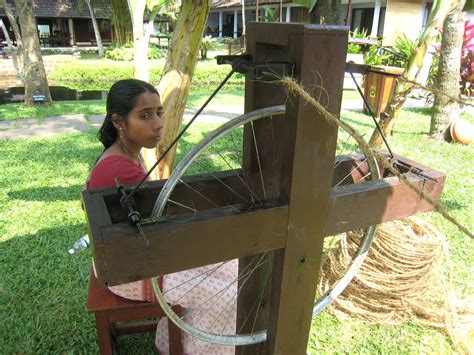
296,89
402,277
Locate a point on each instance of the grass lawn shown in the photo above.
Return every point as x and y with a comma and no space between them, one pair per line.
231,95
12,112
43,289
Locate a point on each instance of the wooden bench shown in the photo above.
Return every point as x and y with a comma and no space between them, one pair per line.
110,309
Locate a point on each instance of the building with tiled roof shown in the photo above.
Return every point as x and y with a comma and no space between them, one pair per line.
66,8
379,18
67,22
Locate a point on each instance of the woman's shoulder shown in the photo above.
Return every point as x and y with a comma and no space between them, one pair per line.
104,173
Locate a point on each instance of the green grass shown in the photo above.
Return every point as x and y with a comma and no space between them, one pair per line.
231,95
43,290
354,336
455,160
12,112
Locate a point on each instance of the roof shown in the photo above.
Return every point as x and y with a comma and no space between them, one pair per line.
223,4
67,8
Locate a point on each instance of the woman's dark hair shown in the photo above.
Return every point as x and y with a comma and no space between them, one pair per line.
121,99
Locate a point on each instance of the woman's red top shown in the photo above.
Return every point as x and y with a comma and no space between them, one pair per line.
102,176
107,169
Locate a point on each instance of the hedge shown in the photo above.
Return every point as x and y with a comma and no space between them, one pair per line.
94,75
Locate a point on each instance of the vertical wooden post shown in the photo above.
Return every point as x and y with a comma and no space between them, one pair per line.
300,151
295,269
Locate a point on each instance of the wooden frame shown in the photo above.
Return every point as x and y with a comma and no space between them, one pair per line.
301,205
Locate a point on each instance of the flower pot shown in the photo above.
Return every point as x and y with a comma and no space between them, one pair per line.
462,131
379,85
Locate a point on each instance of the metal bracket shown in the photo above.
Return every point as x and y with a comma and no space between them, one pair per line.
229,59
244,64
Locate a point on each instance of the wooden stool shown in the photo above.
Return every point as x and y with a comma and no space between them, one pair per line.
110,309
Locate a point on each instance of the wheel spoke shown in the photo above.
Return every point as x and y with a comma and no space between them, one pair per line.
224,149
350,172
258,160
198,193
207,273
251,193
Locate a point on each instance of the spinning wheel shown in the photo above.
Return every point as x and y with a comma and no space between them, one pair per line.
269,204
242,196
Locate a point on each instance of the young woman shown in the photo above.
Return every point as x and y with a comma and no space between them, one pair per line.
133,121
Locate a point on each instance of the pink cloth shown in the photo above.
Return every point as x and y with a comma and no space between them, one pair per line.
217,315
128,172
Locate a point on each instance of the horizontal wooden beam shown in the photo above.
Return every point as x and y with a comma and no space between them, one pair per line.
361,205
122,255
212,236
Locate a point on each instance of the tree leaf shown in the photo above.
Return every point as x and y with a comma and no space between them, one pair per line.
469,5
155,5
309,4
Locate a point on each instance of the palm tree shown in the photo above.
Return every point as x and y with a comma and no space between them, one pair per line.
36,83
447,80
98,38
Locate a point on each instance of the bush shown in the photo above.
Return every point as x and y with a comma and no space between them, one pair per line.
467,73
95,76
226,40
404,48
120,53
376,55
125,52
396,56
205,75
353,48
207,43
100,75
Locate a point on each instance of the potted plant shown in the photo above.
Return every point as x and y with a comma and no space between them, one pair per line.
386,64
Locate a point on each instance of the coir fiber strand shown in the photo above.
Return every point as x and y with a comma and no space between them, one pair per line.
406,275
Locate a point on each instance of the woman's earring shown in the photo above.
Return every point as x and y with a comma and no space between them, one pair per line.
121,132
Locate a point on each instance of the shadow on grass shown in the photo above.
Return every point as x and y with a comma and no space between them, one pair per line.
357,123
453,205
421,110
45,290
53,193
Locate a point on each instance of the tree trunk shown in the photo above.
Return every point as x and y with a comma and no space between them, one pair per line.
177,74
244,27
122,22
35,75
439,11
13,51
327,12
140,43
141,39
98,39
447,79
17,54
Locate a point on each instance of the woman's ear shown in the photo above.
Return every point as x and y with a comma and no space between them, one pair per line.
117,122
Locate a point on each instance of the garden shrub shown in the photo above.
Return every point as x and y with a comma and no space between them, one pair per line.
376,55
226,40
100,75
93,76
125,52
467,73
207,43
353,48
396,56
